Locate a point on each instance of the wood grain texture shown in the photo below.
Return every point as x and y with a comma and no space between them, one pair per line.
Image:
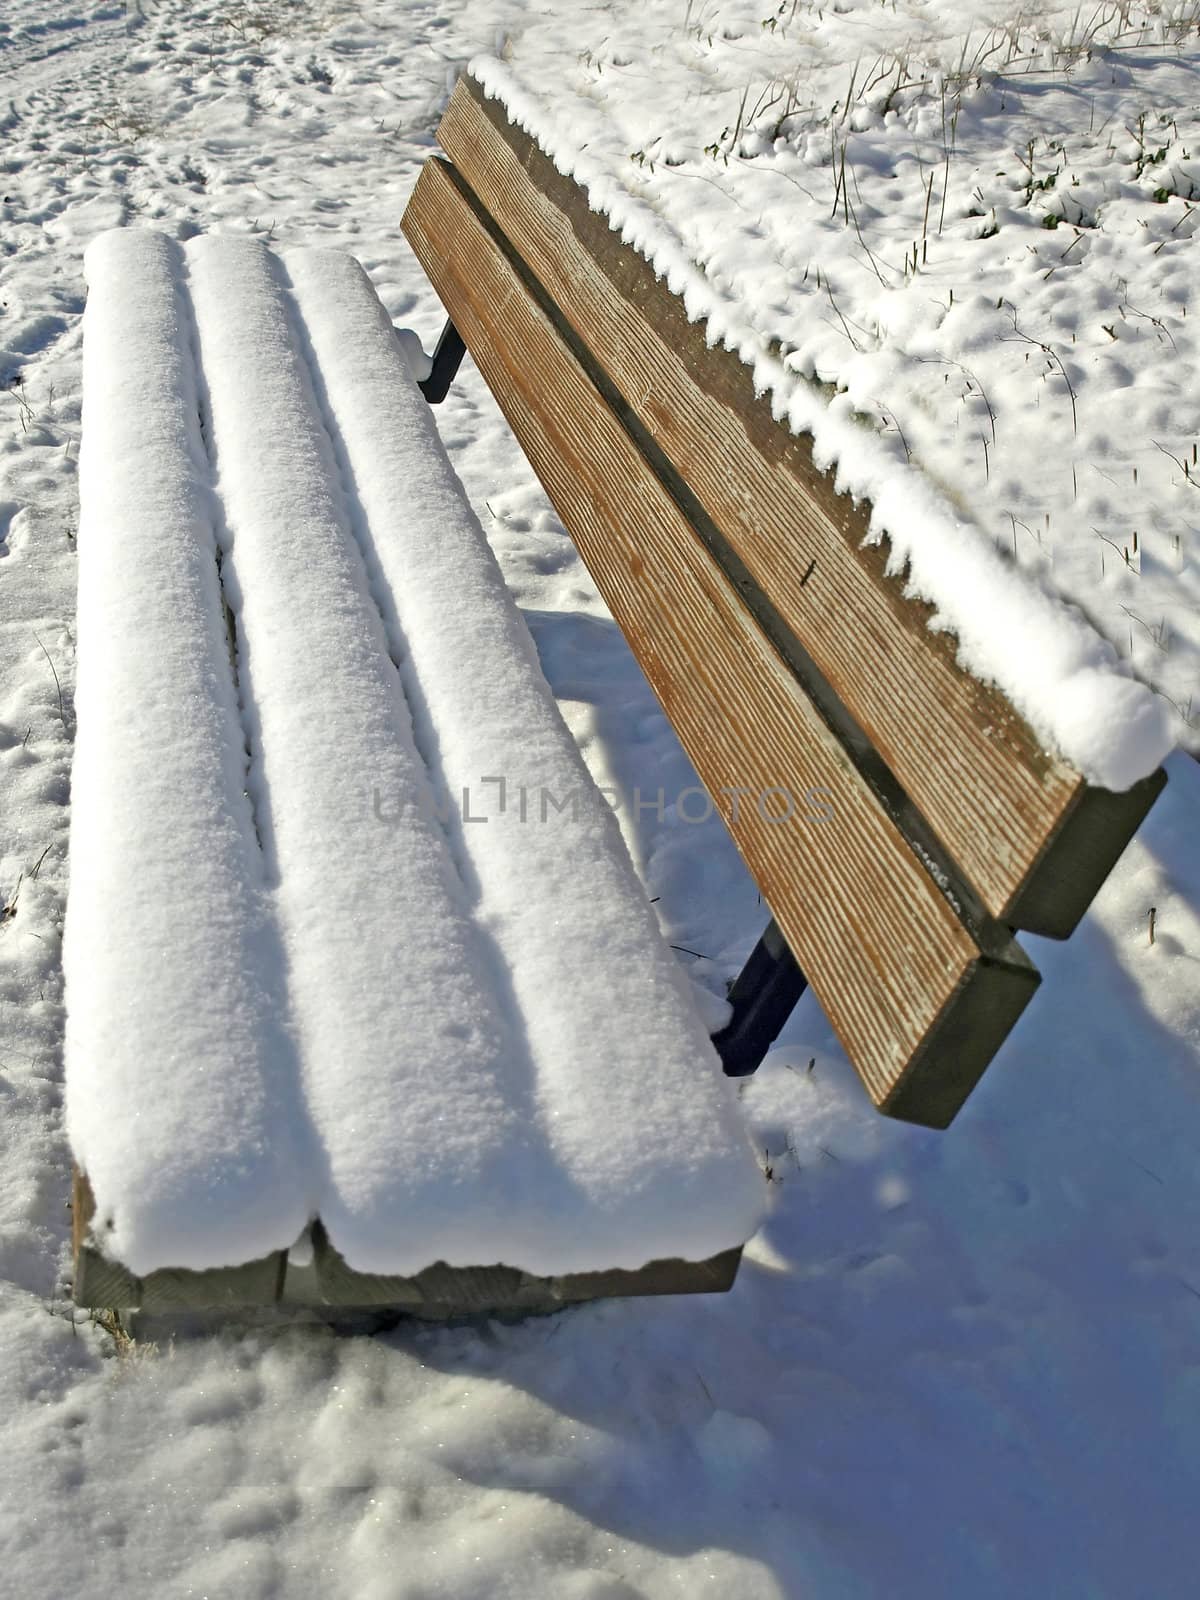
920,1000
100,1283
996,802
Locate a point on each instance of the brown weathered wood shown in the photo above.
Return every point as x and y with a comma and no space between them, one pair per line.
439,1291
1020,824
920,999
101,1283
442,1291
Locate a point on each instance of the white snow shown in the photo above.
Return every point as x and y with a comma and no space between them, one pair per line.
1005,377
953,1364
182,1103
470,1033
644,1152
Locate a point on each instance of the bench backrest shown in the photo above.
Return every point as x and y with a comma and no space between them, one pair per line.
789,662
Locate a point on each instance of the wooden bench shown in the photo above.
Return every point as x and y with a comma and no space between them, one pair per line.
898,816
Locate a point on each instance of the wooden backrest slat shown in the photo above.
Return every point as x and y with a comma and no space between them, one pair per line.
1023,828
920,997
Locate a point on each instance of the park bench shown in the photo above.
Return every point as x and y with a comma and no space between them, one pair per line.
899,817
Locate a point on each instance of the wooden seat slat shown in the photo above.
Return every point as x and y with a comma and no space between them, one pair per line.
1030,835
920,999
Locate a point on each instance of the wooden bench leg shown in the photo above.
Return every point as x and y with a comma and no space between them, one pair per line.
447,359
762,997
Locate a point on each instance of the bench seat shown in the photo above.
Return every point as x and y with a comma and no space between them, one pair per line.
352,937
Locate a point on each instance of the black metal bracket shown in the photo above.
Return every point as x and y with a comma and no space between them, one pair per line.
447,358
762,997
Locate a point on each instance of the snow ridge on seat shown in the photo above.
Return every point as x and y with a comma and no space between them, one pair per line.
176,1035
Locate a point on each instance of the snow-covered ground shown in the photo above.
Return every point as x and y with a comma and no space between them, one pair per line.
963,1363
975,224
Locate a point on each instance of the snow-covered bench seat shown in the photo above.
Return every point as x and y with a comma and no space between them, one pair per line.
900,815
356,960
